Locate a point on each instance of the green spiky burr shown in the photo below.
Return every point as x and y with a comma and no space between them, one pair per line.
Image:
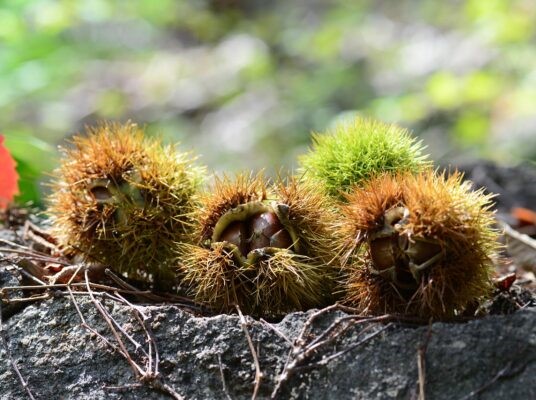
354,152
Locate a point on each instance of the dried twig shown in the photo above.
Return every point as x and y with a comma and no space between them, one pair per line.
521,246
31,269
258,372
131,290
224,384
138,371
143,320
277,331
58,293
311,319
421,362
30,299
149,375
85,325
5,344
28,270
32,255
13,244
507,371
326,360
300,358
304,352
153,297
39,237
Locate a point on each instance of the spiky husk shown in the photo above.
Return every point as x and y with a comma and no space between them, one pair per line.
355,152
149,197
443,209
311,213
278,284
226,194
279,280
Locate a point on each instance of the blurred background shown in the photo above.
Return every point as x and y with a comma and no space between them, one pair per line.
245,82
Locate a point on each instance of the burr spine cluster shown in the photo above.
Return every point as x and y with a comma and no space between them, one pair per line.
368,220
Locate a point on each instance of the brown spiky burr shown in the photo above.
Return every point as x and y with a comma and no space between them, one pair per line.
264,247
418,244
124,200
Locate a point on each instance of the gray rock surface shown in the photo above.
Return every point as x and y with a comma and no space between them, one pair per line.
489,358
61,359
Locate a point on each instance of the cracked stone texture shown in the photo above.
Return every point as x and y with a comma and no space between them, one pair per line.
62,360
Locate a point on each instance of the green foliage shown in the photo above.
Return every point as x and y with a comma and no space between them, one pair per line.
354,152
33,157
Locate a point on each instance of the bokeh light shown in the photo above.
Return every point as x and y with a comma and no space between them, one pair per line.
245,82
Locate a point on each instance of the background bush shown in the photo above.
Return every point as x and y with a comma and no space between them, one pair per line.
244,82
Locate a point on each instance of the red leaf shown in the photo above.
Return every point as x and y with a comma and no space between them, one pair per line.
505,282
524,216
8,176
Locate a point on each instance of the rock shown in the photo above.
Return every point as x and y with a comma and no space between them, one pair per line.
60,359
515,185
